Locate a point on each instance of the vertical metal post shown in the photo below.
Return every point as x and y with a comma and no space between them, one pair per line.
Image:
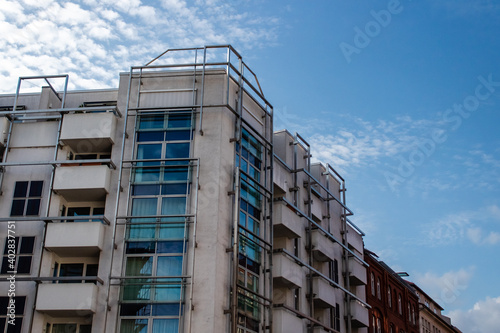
234,305
202,90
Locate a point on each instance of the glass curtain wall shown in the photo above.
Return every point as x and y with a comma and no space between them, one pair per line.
157,238
249,160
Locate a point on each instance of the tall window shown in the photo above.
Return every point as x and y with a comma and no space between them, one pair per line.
389,297
400,305
333,268
156,239
248,159
372,283
17,256
379,293
18,302
27,198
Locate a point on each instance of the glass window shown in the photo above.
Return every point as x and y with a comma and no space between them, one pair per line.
27,198
22,247
20,302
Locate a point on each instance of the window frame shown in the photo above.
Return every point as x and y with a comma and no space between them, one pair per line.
27,198
7,255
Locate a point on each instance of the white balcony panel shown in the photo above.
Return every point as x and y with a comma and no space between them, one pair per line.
4,129
82,183
324,293
286,222
359,313
358,272
286,272
354,239
323,247
67,299
89,132
285,321
72,239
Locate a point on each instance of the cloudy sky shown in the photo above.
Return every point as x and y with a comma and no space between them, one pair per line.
402,97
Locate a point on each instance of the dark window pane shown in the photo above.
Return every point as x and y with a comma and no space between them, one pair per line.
178,135
176,121
177,150
5,267
33,207
4,302
85,328
78,211
2,320
170,247
135,310
150,136
27,244
21,189
36,188
174,188
145,189
86,157
17,327
20,301
98,211
166,309
71,270
140,247
7,243
92,270
17,208
24,265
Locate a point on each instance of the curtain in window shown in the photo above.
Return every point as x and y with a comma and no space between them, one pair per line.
165,325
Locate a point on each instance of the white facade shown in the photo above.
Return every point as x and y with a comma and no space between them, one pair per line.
160,207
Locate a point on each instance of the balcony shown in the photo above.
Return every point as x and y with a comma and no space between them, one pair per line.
286,223
324,293
359,315
354,239
286,321
322,247
67,299
286,272
358,272
75,239
83,182
89,132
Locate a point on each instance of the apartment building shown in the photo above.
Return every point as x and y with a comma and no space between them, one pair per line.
393,301
431,318
170,205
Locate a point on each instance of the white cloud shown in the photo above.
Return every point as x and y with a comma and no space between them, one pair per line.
113,35
479,227
447,288
484,317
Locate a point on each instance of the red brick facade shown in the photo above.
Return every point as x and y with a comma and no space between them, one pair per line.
393,301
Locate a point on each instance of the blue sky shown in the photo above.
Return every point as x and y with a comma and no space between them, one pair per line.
402,97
